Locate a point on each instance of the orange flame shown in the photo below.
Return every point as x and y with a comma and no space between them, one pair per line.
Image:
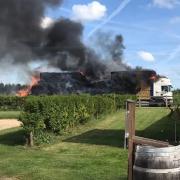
26,91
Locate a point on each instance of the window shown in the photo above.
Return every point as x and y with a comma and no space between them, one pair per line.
170,88
164,88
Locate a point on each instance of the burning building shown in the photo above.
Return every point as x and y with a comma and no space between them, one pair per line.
132,82
62,83
145,84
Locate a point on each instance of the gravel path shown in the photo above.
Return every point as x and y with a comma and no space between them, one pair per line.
9,123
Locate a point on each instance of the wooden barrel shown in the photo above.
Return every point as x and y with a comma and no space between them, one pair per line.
157,163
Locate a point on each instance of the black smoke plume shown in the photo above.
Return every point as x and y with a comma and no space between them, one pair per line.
20,29
23,40
66,50
110,48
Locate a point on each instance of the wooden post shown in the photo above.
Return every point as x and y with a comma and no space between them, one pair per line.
131,129
139,100
166,102
31,141
126,135
175,130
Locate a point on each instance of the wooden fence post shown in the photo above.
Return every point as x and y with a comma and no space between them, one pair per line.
166,101
126,134
131,129
139,101
30,139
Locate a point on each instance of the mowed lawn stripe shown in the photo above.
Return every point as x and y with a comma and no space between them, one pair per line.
9,114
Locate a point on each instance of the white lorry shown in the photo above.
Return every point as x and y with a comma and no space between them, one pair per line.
150,88
162,91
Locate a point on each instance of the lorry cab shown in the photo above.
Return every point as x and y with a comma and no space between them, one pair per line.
163,88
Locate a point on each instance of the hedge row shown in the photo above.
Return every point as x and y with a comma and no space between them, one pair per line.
176,99
11,103
44,115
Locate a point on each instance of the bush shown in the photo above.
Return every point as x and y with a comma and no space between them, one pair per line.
11,103
45,115
176,99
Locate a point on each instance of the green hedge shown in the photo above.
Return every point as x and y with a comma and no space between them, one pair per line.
11,103
44,115
176,99
120,100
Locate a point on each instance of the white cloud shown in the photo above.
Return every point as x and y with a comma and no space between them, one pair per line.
46,22
120,8
146,56
175,20
169,4
91,12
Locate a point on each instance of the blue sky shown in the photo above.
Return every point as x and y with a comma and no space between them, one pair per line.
151,30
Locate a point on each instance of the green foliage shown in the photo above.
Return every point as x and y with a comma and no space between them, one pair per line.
55,114
175,111
11,103
119,100
176,99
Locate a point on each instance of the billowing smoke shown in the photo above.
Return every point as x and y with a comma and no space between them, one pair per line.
20,26
110,49
20,31
65,50
24,40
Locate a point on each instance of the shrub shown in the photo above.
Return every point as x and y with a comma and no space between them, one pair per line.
11,103
45,115
176,99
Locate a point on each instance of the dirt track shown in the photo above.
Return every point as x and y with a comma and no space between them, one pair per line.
9,123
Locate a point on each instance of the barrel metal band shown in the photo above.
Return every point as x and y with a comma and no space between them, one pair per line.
157,171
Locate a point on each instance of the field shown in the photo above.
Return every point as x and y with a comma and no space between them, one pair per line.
93,151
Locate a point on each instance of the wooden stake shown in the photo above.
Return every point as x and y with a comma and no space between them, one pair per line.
31,142
131,129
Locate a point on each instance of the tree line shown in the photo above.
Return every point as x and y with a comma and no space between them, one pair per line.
10,89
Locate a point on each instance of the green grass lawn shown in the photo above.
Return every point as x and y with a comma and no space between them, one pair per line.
9,114
91,152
